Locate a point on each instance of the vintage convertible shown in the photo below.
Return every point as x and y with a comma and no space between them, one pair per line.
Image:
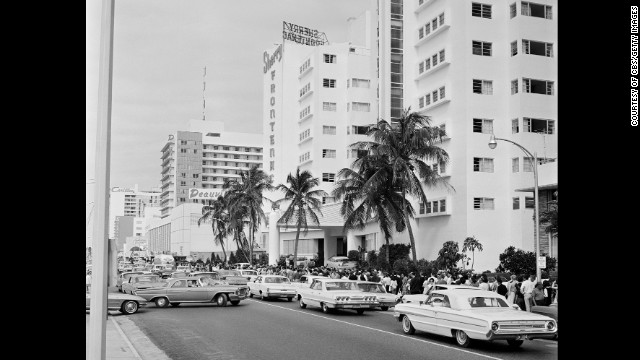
193,290
423,297
272,286
126,304
330,294
140,282
384,298
473,314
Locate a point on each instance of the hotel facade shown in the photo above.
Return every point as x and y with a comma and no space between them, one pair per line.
475,68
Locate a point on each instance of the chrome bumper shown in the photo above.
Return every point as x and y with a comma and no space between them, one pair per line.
516,336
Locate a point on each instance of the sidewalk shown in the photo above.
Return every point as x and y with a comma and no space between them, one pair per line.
125,341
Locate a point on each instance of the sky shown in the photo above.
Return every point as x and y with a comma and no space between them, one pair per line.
160,48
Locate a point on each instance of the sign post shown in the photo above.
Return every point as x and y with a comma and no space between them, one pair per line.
542,263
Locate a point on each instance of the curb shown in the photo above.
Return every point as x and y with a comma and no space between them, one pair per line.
144,348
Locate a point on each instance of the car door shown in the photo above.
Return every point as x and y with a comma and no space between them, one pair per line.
424,315
177,291
255,286
314,292
195,292
446,317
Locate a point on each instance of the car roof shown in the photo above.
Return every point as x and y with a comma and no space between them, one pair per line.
366,282
467,292
273,276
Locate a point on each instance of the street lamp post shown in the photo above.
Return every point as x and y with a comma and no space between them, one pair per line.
492,144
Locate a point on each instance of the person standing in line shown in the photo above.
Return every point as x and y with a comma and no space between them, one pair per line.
88,280
554,286
483,283
519,297
427,285
527,290
415,284
394,284
511,286
441,280
448,278
501,288
386,281
353,275
537,295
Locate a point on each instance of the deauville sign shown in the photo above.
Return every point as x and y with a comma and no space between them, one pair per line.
206,194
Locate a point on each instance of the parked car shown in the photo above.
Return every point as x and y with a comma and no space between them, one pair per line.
473,314
139,282
183,268
272,286
192,290
341,262
306,280
550,311
124,277
329,294
385,299
422,297
126,304
249,274
178,274
233,277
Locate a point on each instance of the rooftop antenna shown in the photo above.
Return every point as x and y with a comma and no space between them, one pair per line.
204,87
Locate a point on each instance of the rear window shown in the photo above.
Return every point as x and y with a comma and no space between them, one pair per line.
484,302
142,279
276,280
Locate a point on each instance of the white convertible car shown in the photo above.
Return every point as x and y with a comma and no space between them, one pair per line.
272,286
330,294
473,314
385,299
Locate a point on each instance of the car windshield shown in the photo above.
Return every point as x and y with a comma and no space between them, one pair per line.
126,276
178,275
374,288
276,280
484,302
143,279
342,285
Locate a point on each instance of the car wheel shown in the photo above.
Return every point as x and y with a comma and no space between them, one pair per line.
407,327
221,300
129,307
302,304
289,299
175,304
325,308
515,343
360,311
462,339
235,302
384,308
162,302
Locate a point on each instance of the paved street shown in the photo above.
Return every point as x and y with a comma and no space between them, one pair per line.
279,329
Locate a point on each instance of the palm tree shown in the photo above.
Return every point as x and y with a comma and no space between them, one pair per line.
407,144
363,203
247,191
549,217
217,214
238,214
303,203
471,243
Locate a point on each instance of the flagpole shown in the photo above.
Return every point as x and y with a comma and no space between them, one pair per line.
98,316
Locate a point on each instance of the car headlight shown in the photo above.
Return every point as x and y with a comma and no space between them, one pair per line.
551,325
494,326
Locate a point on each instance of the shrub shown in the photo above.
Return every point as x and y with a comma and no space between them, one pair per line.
401,266
354,255
396,252
520,262
448,256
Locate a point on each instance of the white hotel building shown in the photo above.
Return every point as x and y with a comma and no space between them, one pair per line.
474,67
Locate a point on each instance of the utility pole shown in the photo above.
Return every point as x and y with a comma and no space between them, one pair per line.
98,317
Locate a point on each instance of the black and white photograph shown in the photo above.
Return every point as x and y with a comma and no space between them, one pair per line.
323,179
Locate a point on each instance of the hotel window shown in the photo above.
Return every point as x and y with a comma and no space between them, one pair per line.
195,176
183,174
422,208
329,83
528,164
427,99
183,142
514,86
481,10
529,203
328,130
420,33
434,59
427,64
442,93
483,204
435,95
306,111
512,10
328,153
536,10
358,106
421,67
271,141
427,28
538,126
361,83
328,106
272,153
360,130
484,126
184,151
537,48
483,165
443,205
305,89
225,148
515,126
441,17
516,203
481,48
515,165
328,200
441,55
428,210
434,23
305,134
420,102
328,177
330,59
271,165
195,151
484,87
514,48
183,183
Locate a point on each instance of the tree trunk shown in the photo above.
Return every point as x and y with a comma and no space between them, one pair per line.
473,253
388,252
295,246
224,253
411,239
251,243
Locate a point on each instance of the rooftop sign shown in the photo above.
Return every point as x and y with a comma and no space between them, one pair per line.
303,35
206,194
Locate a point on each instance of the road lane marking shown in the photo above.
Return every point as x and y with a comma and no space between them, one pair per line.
382,331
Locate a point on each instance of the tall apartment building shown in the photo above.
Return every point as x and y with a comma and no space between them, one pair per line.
202,158
479,68
130,202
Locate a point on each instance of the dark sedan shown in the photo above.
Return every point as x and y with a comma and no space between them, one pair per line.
193,290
